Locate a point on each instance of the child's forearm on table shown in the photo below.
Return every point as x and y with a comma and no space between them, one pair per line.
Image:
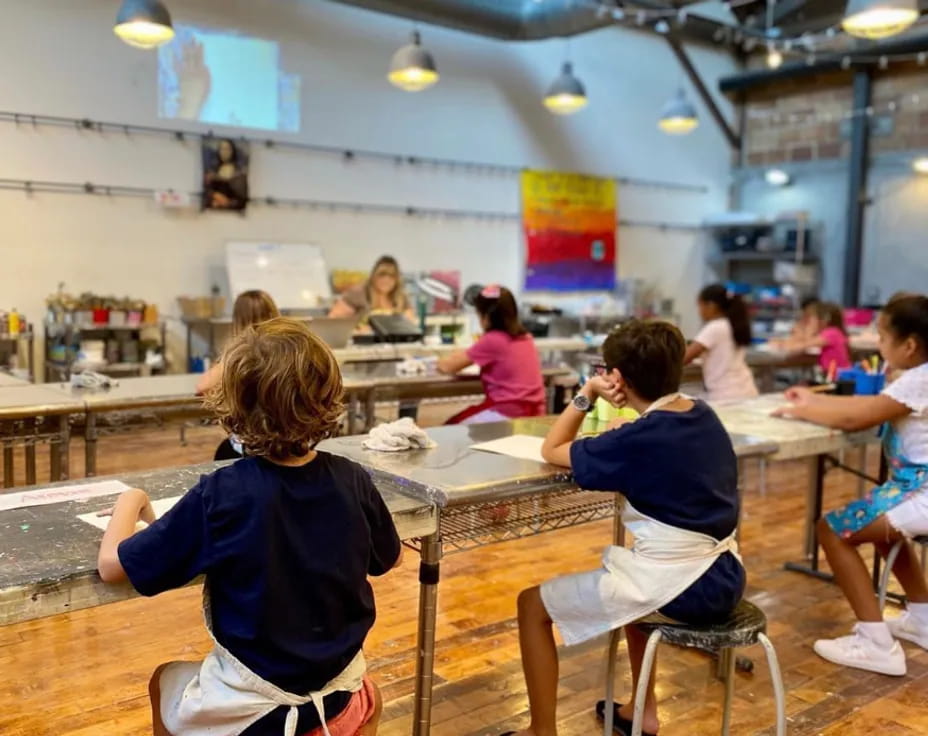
130,507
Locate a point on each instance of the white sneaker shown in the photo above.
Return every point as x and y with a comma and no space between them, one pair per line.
909,628
858,651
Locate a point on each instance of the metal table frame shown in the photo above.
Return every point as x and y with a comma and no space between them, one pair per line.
536,498
34,414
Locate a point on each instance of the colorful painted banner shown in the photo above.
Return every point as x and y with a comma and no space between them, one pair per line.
570,233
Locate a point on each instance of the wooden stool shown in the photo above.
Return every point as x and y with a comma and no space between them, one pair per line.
746,626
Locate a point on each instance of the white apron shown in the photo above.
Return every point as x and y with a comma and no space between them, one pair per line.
222,697
663,562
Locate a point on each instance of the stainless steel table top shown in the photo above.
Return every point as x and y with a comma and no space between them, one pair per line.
454,474
130,393
8,381
48,556
793,439
22,402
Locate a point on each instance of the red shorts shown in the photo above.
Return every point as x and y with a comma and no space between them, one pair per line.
357,713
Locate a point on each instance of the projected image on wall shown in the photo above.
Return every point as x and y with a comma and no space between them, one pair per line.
223,77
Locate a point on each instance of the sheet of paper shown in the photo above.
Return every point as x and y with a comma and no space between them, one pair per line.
160,507
522,446
45,496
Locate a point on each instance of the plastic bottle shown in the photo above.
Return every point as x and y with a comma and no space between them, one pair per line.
14,322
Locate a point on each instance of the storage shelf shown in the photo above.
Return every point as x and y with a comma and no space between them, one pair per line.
783,255
107,328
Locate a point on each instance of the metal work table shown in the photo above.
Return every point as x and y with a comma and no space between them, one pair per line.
9,381
764,364
796,440
48,556
481,498
131,403
30,414
366,384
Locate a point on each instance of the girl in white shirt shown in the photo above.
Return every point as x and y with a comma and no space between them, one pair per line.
722,344
896,510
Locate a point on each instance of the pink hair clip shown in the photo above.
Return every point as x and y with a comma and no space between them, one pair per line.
490,292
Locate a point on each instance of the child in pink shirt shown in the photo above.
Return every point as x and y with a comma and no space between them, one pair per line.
509,365
831,338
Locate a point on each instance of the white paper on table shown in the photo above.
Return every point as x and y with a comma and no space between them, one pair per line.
160,507
522,446
45,496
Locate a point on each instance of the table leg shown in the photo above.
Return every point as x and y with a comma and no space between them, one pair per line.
370,410
862,467
354,406
59,450
429,573
618,528
817,467
8,481
30,463
90,445
189,347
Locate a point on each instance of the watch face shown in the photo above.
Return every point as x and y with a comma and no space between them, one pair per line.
581,402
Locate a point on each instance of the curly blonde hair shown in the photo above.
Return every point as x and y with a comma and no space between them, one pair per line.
281,390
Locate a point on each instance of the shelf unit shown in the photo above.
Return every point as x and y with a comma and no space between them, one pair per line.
776,265
12,346
69,337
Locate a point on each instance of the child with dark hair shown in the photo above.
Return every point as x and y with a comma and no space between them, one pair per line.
676,468
722,343
894,511
286,538
509,365
831,337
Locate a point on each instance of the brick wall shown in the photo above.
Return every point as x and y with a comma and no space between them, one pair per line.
800,120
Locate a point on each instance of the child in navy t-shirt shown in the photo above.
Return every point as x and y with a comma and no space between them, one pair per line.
676,468
286,538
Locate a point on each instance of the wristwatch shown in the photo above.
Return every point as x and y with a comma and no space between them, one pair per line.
582,403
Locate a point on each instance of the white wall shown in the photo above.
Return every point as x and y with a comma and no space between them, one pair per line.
895,256
60,58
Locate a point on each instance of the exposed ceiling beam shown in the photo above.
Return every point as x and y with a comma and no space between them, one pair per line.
831,62
734,140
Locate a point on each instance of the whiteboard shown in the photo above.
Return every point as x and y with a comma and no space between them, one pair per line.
294,274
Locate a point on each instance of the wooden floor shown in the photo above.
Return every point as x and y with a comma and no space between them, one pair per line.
85,673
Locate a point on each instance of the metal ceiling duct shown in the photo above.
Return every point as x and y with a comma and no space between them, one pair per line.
509,20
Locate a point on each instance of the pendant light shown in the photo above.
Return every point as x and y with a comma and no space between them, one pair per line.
678,116
144,24
566,94
777,178
774,57
412,67
879,18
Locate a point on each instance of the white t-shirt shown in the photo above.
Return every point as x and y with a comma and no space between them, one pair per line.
911,389
724,367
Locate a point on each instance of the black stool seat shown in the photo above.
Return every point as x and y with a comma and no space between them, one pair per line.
739,630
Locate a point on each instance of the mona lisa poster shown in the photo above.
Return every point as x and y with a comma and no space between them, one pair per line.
569,222
225,174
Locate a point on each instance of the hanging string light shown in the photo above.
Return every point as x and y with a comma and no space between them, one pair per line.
879,18
678,116
774,57
144,24
566,95
412,67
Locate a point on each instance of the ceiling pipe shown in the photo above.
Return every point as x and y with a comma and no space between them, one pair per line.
829,62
